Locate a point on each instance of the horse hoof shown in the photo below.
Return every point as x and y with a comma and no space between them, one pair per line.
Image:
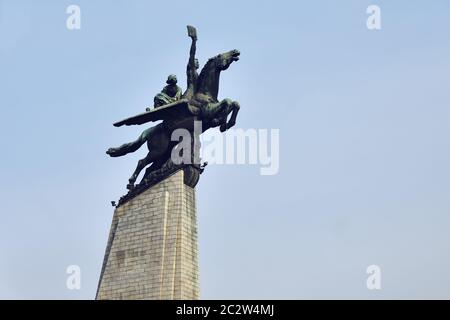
112,152
223,127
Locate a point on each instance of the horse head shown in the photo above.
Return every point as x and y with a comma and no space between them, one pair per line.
208,80
224,60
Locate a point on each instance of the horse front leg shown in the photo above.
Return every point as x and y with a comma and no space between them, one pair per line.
235,106
234,109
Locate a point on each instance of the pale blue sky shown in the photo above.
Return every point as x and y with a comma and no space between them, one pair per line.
364,127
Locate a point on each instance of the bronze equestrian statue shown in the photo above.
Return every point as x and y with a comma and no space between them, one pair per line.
198,103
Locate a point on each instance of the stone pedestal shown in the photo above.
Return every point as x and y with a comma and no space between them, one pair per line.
152,246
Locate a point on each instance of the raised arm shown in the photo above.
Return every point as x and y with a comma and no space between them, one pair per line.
191,69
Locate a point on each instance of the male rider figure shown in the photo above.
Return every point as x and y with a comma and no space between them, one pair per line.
192,67
170,93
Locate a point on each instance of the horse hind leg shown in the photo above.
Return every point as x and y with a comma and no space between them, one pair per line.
141,165
157,146
129,147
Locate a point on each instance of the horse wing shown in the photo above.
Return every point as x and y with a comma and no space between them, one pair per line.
175,110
